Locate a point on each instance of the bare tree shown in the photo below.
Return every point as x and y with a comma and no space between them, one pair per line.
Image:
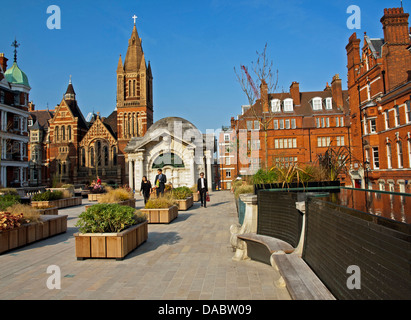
265,75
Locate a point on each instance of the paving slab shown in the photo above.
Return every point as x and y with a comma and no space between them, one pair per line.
188,259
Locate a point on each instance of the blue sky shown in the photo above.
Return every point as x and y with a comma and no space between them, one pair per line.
193,47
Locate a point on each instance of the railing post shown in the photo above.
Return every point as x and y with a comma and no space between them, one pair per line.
249,226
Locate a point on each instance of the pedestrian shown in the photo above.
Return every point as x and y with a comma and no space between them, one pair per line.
145,189
160,182
202,189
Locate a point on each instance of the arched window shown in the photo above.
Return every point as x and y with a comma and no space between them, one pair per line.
105,155
114,156
56,131
63,133
92,157
98,153
168,159
69,133
134,88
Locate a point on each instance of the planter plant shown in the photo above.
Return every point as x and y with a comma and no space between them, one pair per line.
121,196
110,231
58,199
183,197
196,196
21,225
161,210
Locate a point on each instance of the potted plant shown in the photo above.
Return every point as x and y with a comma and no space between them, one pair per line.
59,199
183,197
161,210
121,196
21,225
110,231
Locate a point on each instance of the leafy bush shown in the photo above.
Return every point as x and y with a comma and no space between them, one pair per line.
10,221
8,200
116,195
265,177
9,191
48,196
109,218
182,193
160,203
243,189
30,214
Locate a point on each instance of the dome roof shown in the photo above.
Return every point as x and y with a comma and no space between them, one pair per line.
169,123
15,75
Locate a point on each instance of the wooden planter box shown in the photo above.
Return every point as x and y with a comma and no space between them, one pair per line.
110,245
128,203
196,197
161,215
184,205
95,196
62,203
49,211
26,234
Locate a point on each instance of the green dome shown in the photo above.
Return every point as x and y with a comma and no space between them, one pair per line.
16,76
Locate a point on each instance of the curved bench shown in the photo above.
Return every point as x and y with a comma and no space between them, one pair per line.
261,248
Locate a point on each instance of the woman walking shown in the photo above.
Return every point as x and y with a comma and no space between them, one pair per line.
145,189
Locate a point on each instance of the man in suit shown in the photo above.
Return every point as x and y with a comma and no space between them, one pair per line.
202,189
160,182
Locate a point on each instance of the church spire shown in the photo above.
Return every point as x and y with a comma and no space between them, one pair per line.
70,93
134,54
120,67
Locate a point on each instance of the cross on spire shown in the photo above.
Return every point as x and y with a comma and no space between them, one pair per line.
15,44
135,18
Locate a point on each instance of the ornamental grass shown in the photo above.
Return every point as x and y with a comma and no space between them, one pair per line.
116,195
30,214
164,202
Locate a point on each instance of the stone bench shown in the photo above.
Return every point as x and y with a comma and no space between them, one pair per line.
301,282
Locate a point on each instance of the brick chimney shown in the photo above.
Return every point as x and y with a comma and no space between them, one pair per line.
353,58
264,96
397,59
31,106
295,93
336,90
3,62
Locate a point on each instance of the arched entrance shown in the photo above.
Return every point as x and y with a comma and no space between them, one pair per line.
173,167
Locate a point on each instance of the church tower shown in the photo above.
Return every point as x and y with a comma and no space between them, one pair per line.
134,92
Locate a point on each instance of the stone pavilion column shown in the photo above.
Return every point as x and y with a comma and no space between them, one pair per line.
130,173
209,173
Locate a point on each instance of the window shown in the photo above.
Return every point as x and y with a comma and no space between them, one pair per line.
249,125
2,97
276,105
293,124
290,143
327,122
34,136
408,111
228,173
400,155
56,131
318,123
63,133
114,156
337,122
256,125
376,158
373,126
389,156
226,137
397,116
317,104
329,104
227,161
288,105
387,119
409,153
69,133
340,141
323,142
16,123
275,124
342,122
281,124
323,122
287,124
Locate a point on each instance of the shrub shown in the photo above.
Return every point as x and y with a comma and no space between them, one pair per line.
8,200
48,196
244,189
9,191
181,193
160,203
265,177
109,218
116,195
30,214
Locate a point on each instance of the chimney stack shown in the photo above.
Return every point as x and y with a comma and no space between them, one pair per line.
336,89
295,93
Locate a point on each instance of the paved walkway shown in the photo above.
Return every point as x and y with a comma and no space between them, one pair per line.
187,259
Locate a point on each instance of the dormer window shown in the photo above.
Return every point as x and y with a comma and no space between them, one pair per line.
329,103
288,105
276,105
317,104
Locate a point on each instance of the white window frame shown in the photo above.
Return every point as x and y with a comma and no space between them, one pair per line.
317,104
276,125
287,124
400,154
328,103
288,105
337,122
293,124
397,116
373,127
376,159
389,156
276,105
408,111
387,119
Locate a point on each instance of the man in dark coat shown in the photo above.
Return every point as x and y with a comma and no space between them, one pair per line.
160,182
202,189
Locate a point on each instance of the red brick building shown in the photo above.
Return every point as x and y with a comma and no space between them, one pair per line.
379,86
300,126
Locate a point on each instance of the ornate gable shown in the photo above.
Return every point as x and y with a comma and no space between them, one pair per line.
98,131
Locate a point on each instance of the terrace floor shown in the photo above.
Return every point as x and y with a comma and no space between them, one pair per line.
189,259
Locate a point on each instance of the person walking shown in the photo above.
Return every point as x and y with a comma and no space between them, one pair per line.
202,189
160,182
145,189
